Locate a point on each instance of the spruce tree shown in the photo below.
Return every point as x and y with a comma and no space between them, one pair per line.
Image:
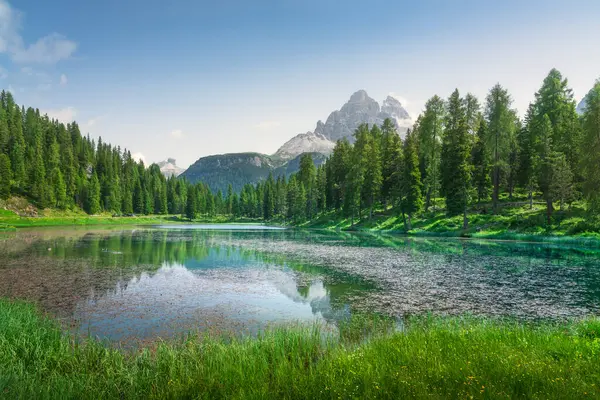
60,189
5,176
190,204
390,151
431,133
590,149
371,157
500,131
411,186
456,158
482,164
93,195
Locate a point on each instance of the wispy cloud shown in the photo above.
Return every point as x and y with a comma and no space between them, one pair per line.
93,122
46,50
265,125
64,115
63,80
177,134
138,157
3,73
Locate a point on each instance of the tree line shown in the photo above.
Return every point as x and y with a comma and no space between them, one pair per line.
459,154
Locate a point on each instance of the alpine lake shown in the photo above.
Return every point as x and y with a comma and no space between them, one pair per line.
133,285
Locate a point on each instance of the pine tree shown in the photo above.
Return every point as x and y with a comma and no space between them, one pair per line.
5,176
555,99
4,133
321,189
527,154
17,150
229,209
269,198
500,130
431,132
391,150
456,157
60,188
561,185
371,157
481,164
340,166
545,163
190,204
411,186
590,149
93,196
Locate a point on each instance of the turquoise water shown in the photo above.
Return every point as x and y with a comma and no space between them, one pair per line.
128,285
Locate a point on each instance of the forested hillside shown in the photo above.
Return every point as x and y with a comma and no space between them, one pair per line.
54,166
461,156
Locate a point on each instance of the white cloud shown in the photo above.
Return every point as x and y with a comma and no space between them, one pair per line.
265,125
138,157
63,79
176,134
46,50
10,23
3,73
64,115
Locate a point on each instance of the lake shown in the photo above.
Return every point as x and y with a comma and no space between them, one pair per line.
138,284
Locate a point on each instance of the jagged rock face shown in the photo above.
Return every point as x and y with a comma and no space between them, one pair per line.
362,109
169,168
308,142
241,168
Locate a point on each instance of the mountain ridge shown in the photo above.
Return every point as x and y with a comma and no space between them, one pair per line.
252,167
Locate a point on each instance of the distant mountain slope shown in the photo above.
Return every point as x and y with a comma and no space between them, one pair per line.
240,168
218,171
304,143
169,168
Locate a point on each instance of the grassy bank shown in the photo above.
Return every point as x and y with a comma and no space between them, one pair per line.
10,220
433,357
512,223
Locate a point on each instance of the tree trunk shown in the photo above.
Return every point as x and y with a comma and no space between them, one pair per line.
408,223
465,217
549,210
495,193
530,198
427,199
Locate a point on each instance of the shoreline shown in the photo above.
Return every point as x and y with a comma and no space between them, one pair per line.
19,223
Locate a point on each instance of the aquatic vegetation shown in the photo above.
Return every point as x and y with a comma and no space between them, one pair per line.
431,357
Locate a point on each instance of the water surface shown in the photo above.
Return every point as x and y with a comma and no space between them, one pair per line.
141,284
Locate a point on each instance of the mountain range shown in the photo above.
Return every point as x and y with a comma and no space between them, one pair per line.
217,171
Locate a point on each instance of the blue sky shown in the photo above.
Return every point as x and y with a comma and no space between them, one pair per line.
195,78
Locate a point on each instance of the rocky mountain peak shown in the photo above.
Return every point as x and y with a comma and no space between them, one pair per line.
169,167
393,107
308,142
363,109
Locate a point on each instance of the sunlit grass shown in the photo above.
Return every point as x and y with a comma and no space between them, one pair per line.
432,357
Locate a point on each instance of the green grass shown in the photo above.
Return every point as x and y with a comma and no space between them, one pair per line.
433,357
511,223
